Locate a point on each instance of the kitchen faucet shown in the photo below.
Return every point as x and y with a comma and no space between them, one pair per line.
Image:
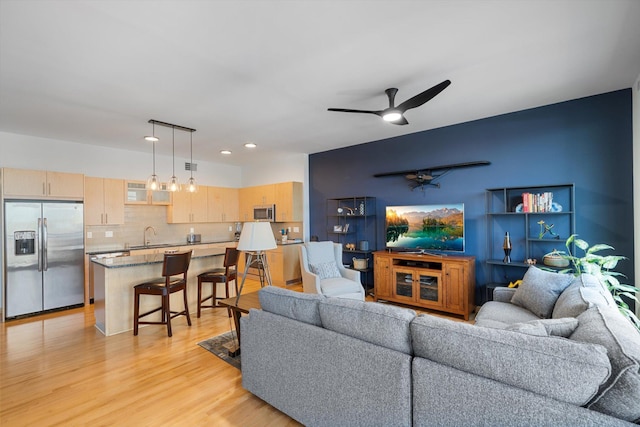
144,238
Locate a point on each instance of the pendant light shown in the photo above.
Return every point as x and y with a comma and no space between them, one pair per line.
173,184
152,181
192,186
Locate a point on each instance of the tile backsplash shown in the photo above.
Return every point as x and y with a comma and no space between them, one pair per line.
137,218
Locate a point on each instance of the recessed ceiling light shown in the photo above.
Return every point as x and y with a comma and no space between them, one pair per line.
250,145
151,138
225,151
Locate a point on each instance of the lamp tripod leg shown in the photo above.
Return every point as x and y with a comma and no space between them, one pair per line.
244,276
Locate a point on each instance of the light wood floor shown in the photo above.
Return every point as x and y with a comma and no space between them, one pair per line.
57,369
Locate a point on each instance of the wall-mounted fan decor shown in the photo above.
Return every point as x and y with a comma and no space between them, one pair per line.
427,176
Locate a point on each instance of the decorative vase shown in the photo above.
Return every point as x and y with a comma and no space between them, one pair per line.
506,245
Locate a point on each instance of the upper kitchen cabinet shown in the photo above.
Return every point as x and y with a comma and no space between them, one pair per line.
223,204
103,201
24,183
137,194
286,196
188,207
288,201
260,195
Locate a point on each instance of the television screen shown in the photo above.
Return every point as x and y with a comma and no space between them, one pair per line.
425,227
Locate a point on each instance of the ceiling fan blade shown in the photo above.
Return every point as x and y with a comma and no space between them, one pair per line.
423,97
347,110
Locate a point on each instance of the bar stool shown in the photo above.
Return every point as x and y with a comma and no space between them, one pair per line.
224,274
175,264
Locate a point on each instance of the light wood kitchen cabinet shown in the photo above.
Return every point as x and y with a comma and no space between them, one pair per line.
223,204
260,195
103,201
284,266
137,194
187,207
288,198
25,183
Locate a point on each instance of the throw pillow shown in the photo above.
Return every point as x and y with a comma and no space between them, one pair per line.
546,327
584,292
539,291
325,270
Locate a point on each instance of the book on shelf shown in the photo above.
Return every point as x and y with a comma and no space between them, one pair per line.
540,202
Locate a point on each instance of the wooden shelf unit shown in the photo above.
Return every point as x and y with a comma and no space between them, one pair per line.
438,282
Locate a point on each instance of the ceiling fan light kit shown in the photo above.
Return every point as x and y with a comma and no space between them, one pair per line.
394,114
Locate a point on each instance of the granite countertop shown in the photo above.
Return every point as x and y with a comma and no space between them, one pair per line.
154,246
135,260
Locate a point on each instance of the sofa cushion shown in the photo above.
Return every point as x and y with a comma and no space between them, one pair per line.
563,327
503,312
620,395
291,304
584,292
539,291
380,324
565,370
336,286
325,270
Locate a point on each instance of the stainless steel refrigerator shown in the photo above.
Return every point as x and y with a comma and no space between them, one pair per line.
44,256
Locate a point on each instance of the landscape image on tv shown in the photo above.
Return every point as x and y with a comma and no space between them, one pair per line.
426,227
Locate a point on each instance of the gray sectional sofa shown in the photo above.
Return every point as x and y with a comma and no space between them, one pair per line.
573,360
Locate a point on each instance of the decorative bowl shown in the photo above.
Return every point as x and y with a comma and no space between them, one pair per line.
555,260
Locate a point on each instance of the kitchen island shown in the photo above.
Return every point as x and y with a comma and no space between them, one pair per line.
114,279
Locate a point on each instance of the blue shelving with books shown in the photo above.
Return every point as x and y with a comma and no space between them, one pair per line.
538,219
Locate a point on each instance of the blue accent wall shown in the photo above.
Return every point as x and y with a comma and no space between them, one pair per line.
587,142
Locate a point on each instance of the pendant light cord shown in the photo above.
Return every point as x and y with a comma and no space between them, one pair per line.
173,150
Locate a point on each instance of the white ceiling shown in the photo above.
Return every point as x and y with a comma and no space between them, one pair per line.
96,71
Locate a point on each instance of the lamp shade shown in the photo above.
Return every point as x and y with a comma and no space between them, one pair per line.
256,236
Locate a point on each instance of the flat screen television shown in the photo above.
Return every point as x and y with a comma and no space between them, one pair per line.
424,228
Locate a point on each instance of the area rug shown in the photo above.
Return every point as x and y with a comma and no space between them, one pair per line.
216,346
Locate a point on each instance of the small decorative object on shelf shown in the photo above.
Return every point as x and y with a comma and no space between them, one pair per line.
361,209
544,229
350,246
531,261
337,229
345,228
555,259
506,245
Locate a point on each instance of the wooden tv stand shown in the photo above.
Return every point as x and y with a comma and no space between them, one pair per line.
439,282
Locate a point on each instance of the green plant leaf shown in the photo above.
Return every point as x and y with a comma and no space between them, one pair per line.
599,247
581,244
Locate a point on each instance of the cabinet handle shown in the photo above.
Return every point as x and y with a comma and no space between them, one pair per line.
49,189
106,218
44,193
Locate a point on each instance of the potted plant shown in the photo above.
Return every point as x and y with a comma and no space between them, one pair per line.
600,266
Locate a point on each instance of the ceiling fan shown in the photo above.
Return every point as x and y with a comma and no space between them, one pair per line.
395,114
427,176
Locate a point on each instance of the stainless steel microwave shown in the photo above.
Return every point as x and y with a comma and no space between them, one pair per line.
264,213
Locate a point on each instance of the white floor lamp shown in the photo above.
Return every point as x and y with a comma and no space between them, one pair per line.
255,238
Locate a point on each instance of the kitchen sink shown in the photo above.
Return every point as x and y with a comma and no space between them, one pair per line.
159,245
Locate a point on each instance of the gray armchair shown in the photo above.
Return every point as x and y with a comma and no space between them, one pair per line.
323,272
